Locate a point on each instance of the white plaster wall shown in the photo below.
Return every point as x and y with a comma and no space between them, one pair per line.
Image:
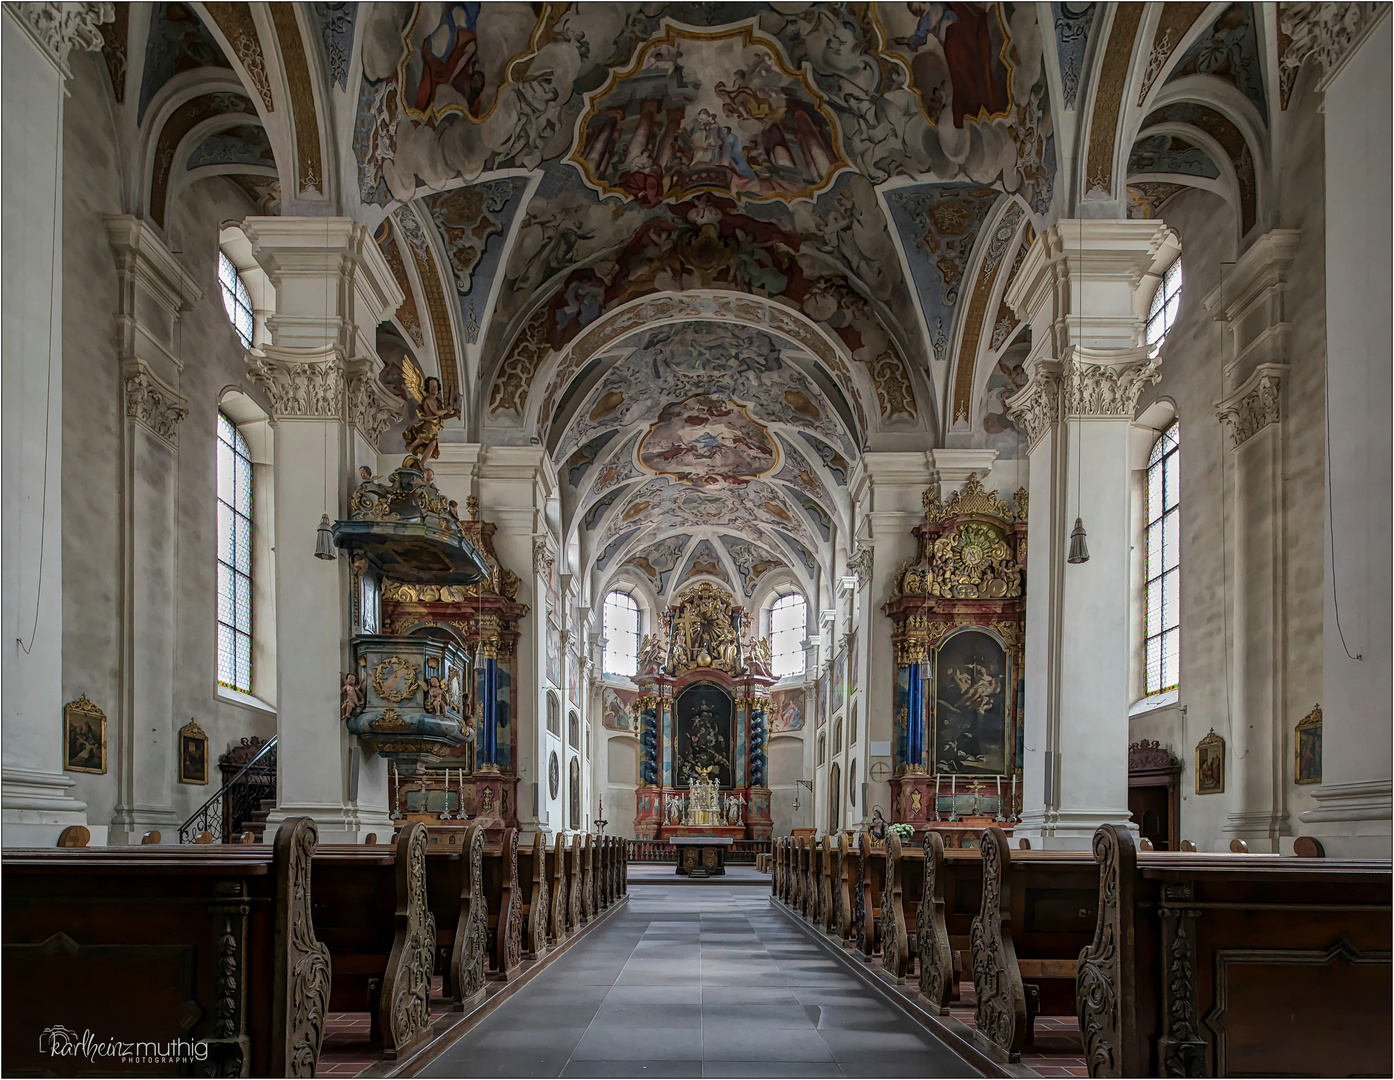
1191,367
92,419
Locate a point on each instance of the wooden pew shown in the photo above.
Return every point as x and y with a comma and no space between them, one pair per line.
561,895
588,878
841,925
602,873
371,911
142,943
1229,965
871,879
779,875
950,897
900,896
574,870
505,905
455,894
532,872
1038,911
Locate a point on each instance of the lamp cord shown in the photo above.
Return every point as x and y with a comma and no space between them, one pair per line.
48,382
1330,510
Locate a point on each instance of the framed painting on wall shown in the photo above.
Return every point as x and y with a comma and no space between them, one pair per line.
971,688
84,737
1210,765
193,754
1309,748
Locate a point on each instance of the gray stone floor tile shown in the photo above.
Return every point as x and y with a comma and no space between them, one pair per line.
746,1069
721,1043
748,995
635,1070
626,1044
690,995
928,1065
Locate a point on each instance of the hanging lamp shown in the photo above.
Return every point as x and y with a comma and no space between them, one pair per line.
1079,539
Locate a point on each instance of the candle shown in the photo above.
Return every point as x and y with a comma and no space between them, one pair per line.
1013,796
999,798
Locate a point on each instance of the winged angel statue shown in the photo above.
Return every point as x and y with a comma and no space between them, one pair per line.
423,437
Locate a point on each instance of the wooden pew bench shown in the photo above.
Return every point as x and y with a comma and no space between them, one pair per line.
212,945
1233,964
505,905
532,875
371,910
455,895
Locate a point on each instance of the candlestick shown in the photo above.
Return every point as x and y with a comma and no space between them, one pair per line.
1014,816
999,798
953,797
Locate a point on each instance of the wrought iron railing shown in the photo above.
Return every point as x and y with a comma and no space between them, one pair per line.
660,851
233,804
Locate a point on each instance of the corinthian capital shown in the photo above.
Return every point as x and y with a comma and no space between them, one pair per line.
1255,405
1037,404
542,556
372,407
301,388
60,28
1327,33
153,405
1105,389
860,563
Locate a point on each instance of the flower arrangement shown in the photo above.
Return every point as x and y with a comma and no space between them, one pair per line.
905,832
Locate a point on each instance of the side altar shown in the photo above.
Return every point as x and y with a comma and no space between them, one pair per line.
958,613
704,687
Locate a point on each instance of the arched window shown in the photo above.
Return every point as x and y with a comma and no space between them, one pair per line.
788,624
1166,301
236,300
621,634
1162,562
234,558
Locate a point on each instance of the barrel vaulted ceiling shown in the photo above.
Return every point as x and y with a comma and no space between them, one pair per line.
707,254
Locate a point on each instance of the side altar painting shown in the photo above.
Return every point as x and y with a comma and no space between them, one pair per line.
958,610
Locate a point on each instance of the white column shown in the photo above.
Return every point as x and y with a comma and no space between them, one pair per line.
1252,305
154,291
36,41
333,287
1077,289
888,491
1353,44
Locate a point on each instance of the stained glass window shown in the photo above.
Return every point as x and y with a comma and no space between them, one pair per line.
788,624
236,300
1162,555
621,634
234,558
1166,302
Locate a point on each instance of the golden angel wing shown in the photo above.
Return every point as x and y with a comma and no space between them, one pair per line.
411,376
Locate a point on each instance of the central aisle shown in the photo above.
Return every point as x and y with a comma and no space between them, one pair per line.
696,980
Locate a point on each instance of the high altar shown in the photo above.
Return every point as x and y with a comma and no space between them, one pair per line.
704,693
958,610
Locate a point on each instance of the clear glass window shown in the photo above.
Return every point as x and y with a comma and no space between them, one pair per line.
788,625
237,302
1162,558
234,558
621,634
1166,302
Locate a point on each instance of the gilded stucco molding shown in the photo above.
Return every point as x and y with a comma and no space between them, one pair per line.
60,28
1254,406
1328,33
153,405
301,389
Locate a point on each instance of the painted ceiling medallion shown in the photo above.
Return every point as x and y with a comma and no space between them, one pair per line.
709,112
708,441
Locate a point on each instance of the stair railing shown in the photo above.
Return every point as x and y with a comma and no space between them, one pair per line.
233,803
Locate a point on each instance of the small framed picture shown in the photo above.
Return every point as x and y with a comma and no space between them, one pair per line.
1308,748
193,754
84,737
1210,765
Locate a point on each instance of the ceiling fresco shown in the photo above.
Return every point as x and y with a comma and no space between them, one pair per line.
707,254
